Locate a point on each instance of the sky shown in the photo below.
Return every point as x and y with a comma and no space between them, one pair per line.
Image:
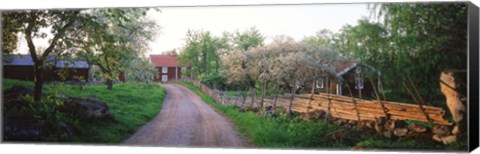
297,21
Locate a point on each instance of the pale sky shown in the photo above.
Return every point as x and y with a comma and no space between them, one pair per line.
296,21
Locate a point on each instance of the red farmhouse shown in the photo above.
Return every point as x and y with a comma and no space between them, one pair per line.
168,67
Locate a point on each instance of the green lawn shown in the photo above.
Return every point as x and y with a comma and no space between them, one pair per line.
132,104
291,132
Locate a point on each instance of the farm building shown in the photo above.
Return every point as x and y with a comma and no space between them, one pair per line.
351,79
168,67
21,68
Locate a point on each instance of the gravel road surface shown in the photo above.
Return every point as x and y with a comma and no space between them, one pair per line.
186,121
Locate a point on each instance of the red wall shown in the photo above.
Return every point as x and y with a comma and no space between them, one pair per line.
26,73
170,73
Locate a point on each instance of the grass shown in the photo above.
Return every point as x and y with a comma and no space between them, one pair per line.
280,132
291,132
132,104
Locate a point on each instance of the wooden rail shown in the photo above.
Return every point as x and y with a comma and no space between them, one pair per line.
341,106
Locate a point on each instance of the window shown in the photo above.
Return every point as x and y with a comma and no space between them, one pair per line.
164,69
184,69
164,77
319,83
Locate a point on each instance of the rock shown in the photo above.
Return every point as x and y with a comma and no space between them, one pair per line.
437,137
455,130
420,137
388,134
343,135
92,97
449,139
66,129
17,128
313,115
370,124
453,87
280,110
392,124
400,132
417,128
62,96
352,122
86,108
340,122
12,97
441,130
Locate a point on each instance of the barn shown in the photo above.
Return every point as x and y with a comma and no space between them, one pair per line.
20,67
352,79
168,67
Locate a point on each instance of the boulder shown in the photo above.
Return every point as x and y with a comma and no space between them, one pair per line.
437,137
400,132
392,124
445,139
86,108
340,122
19,128
420,137
12,97
452,85
449,139
417,128
343,135
441,130
388,134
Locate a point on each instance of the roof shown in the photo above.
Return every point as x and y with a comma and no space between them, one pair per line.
26,60
164,60
344,67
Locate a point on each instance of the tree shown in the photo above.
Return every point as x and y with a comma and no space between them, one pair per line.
68,32
247,39
202,53
31,24
322,38
417,40
115,37
141,70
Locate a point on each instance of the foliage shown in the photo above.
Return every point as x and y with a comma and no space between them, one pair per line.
213,80
322,38
202,53
416,40
290,132
280,132
116,38
133,105
248,39
34,24
282,63
141,70
69,32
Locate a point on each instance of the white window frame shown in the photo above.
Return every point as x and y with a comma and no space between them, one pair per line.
164,77
319,83
164,69
184,69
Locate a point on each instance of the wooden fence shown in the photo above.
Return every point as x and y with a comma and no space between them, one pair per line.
339,106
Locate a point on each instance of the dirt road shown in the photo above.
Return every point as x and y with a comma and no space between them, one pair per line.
185,120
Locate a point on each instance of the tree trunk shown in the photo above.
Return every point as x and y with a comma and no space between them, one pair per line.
37,94
244,97
254,92
263,94
276,95
291,101
109,84
313,90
